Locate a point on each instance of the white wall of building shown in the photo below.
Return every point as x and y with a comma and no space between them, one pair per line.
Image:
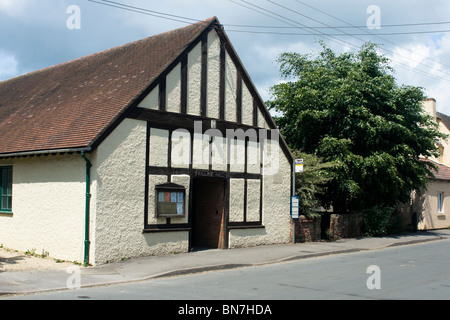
426,206
275,211
48,205
118,174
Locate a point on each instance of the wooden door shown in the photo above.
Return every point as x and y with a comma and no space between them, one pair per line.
209,227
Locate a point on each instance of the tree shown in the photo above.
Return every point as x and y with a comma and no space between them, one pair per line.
347,109
310,185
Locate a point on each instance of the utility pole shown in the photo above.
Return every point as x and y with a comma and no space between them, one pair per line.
297,166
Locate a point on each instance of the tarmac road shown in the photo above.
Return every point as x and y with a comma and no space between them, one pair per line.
416,271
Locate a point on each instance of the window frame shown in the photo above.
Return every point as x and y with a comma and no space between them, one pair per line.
170,188
9,186
440,202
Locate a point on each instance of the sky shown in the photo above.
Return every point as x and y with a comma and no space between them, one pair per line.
413,34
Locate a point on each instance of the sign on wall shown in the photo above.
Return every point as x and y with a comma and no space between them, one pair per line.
170,200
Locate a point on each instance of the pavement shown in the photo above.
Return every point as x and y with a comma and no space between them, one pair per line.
154,267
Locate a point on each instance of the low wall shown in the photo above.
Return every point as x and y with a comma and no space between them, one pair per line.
345,226
307,229
327,226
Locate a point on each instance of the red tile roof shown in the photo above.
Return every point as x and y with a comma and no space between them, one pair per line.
442,172
69,105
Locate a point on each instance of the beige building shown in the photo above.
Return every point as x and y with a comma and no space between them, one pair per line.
430,208
154,147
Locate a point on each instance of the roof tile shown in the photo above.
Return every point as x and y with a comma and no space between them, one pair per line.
442,172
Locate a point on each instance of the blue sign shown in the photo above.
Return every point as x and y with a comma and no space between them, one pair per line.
295,212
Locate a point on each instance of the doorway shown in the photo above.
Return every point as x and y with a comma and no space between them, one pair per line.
208,219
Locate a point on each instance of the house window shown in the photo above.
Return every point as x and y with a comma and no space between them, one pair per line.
440,203
170,200
5,189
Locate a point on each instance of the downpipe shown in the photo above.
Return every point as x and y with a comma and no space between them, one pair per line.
87,209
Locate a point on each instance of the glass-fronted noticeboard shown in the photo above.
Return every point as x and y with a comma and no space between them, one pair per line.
170,200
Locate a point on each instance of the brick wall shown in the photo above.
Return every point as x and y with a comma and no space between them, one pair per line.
307,229
317,228
345,226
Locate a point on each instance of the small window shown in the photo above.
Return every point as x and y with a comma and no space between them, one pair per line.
170,200
440,202
5,189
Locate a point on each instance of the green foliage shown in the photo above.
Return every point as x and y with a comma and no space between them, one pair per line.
380,221
348,110
376,221
310,184
33,253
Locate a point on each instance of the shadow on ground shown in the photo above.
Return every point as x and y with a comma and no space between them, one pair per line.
10,260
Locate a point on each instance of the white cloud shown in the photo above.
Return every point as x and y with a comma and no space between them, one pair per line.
412,55
13,7
440,92
8,65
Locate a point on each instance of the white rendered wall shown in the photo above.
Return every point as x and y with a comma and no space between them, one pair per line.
236,208
237,155
219,154
230,89
119,173
173,89
253,197
181,148
247,105
48,204
213,88
154,180
158,153
151,101
200,158
276,205
194,80
119,222
194,65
